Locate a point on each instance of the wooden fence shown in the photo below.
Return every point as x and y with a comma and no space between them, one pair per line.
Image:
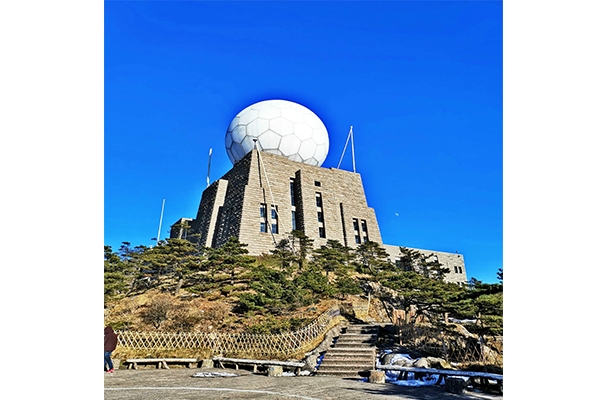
280,346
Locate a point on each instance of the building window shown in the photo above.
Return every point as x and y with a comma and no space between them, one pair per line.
292,193
319,200
455,269
357,239
321,232
293,220
460,270
320,216
274,224
317,183
355,224
263,217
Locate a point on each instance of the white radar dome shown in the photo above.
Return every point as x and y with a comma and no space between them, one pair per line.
281,127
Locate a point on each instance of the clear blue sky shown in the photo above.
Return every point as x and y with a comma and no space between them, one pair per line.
420,82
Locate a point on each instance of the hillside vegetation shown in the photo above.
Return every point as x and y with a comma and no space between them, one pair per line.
177,286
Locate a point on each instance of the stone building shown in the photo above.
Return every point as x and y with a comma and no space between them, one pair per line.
277,185
266,196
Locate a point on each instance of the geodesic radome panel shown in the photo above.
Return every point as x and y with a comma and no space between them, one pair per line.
281,127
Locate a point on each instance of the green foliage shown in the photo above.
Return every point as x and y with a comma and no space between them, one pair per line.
333,258
231,258
117,274
371,258
347,286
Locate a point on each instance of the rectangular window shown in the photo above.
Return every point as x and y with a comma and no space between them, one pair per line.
321,232
293,220
263,217
460,270
364,226
355,224
319,200
320,216
292,193
274,224
357,239
317,183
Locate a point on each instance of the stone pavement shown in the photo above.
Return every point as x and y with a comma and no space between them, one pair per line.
178,383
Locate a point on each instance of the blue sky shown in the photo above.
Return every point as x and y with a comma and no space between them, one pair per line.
420,82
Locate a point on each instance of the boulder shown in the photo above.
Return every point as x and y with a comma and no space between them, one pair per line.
275,370
421,363
439,363
377,376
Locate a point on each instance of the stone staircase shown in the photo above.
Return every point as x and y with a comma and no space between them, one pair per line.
353,354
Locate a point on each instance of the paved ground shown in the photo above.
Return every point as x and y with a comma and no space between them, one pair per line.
178,383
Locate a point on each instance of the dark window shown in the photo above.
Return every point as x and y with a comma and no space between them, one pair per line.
292,193
460,270
263,217
274,224
319,200
317,183
321,232
293,220
364,226
355,224
357,239
455,269
320,216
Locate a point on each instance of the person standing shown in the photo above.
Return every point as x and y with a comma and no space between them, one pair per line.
110,344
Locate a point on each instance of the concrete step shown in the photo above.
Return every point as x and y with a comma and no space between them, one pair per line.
336,365
354,344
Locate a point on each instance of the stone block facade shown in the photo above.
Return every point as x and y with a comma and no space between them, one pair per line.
265,196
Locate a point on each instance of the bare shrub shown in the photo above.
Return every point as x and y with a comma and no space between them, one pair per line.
157,311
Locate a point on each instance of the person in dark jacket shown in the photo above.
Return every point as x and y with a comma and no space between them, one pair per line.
110,344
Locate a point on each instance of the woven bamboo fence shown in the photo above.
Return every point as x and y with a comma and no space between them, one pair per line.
282,346
454,346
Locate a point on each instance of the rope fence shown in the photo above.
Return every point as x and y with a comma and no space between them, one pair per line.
275,346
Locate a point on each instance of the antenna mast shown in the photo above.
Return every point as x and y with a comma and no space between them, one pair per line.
350,136
160,221
208,173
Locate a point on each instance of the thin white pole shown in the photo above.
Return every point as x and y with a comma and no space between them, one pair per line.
353,164
208,174
160,222
346,145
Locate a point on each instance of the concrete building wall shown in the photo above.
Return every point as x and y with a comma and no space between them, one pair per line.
231,206
453,261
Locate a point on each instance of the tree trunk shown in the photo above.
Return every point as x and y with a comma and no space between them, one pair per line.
178,287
